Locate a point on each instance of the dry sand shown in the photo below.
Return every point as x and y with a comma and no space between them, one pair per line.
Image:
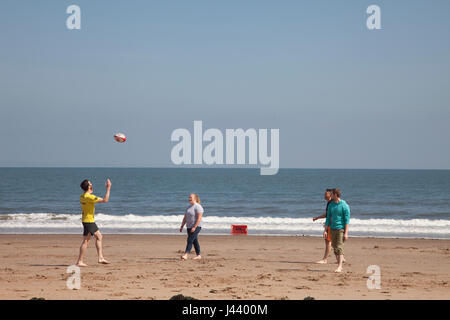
233,267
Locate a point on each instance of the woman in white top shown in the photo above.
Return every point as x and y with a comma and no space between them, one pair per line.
192,219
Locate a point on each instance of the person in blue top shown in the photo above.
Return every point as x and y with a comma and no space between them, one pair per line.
338,219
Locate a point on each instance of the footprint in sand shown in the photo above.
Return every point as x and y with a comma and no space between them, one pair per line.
263,276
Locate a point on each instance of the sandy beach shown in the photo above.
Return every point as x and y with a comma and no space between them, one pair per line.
233,267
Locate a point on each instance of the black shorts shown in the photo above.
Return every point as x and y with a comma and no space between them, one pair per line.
89,227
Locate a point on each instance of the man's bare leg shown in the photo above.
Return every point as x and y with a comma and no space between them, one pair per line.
99,246
337,259
83,248
327,252
340,262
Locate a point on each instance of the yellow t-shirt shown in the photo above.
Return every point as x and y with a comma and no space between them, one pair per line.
88,202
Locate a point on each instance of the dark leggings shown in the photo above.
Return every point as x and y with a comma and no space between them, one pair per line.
193,240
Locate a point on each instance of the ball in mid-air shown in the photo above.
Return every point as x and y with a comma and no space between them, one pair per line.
120,137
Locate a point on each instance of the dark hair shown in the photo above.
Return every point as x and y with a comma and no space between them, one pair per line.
329,190
85,185
337,192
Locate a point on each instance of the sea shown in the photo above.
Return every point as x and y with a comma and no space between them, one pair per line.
383,203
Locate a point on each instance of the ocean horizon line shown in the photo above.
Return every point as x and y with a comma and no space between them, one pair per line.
196,167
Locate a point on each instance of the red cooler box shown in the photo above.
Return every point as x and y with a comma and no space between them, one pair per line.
238,229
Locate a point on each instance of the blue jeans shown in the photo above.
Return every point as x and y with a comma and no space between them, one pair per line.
193,240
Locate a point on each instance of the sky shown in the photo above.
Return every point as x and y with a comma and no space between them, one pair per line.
341,95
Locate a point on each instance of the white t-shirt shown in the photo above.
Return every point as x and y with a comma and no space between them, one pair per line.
191,215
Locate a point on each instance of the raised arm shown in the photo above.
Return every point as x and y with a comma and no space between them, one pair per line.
108,188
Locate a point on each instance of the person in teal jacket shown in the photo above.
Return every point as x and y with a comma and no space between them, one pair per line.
338,219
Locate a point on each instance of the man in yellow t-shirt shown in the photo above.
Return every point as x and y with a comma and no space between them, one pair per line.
88,201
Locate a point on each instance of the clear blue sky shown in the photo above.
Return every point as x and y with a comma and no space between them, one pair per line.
342,96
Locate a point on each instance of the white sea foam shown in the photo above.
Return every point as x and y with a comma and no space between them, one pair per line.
131,223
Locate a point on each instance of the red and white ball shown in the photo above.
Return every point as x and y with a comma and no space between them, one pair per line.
120,137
